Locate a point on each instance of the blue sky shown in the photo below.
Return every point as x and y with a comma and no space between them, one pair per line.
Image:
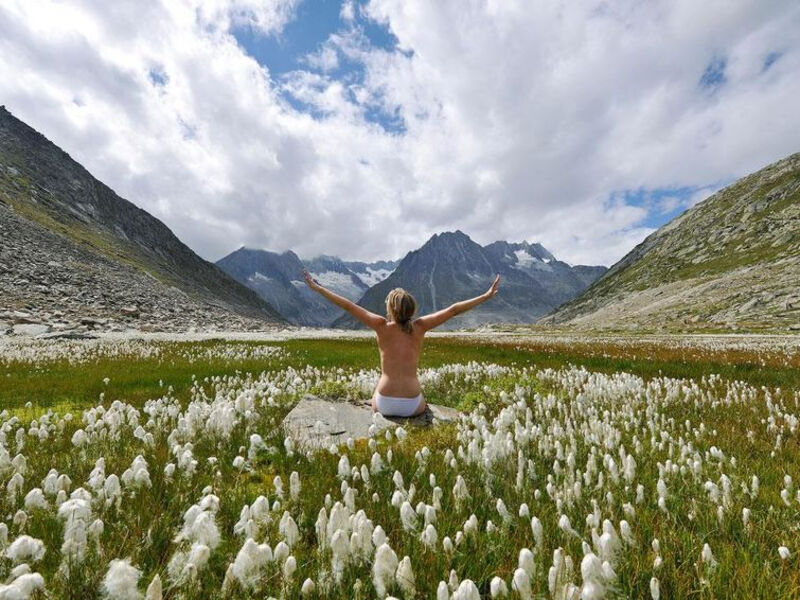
361,130
315,21
312,24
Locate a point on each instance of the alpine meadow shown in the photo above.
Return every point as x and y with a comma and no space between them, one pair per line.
370,299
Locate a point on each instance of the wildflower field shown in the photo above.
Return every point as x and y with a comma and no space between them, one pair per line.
580,468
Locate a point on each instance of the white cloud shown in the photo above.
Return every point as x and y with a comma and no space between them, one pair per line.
520,118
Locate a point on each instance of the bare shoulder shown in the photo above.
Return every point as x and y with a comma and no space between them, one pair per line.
418,327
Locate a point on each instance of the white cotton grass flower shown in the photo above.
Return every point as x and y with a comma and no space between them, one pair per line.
526,562
383,569
378,536
467,590
470,526
340,553
460,491
655,589
408,517
308,588
35,499
405,578
521,583
184,565
565,526
20,519
538,531
626,533
294,486
26,549
498,588
288,529
121,580
343,468
447,545
281,552
277,483
429,537
79,438
249,563
707,557
442,591
597,575
453,580
21,586
289,567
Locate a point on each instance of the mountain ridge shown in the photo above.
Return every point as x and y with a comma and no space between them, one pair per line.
105,241
450,266
731,261
278,278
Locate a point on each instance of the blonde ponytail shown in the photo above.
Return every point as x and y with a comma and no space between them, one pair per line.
400,308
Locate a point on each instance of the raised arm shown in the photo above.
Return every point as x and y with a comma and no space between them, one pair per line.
368,318
432,320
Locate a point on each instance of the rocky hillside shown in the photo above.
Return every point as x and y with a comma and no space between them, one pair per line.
732,261
76,256
278,279
451,267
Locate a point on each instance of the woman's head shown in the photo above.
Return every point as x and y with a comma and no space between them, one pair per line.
400,308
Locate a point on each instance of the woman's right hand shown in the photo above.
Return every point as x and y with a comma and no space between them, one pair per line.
493,288
310,280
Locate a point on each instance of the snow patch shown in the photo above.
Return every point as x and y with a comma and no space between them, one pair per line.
259,278
524,259
373,276
341,283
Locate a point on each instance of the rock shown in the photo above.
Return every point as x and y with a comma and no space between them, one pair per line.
795,327
31,329
92,322
22,317
129,311
748,305
316,423
69,335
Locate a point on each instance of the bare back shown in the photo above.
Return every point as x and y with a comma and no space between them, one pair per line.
399,359
400,350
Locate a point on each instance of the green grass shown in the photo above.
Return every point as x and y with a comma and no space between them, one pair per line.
61,384
145,525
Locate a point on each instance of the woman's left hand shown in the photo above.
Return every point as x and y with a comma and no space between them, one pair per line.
493,289
310,280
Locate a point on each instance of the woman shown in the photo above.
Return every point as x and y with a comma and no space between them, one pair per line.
398,393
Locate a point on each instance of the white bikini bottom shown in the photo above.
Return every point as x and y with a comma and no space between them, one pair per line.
396,406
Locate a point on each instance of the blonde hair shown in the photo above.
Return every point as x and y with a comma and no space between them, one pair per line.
400,307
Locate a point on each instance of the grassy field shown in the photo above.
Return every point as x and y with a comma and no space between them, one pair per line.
578,455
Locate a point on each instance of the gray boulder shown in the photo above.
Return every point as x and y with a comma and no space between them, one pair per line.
31,329
316,423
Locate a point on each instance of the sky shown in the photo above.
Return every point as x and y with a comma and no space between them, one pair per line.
362,127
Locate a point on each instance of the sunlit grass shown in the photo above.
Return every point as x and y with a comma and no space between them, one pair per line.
144,525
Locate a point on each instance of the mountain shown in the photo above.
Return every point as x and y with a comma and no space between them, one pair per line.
450,267
278,279
73,251
731,261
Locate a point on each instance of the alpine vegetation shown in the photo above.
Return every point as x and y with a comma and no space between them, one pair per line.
560,483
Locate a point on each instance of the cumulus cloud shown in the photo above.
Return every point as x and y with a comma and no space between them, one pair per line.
508,120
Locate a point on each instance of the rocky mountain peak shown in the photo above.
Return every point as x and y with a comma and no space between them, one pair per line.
730,262
74,251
